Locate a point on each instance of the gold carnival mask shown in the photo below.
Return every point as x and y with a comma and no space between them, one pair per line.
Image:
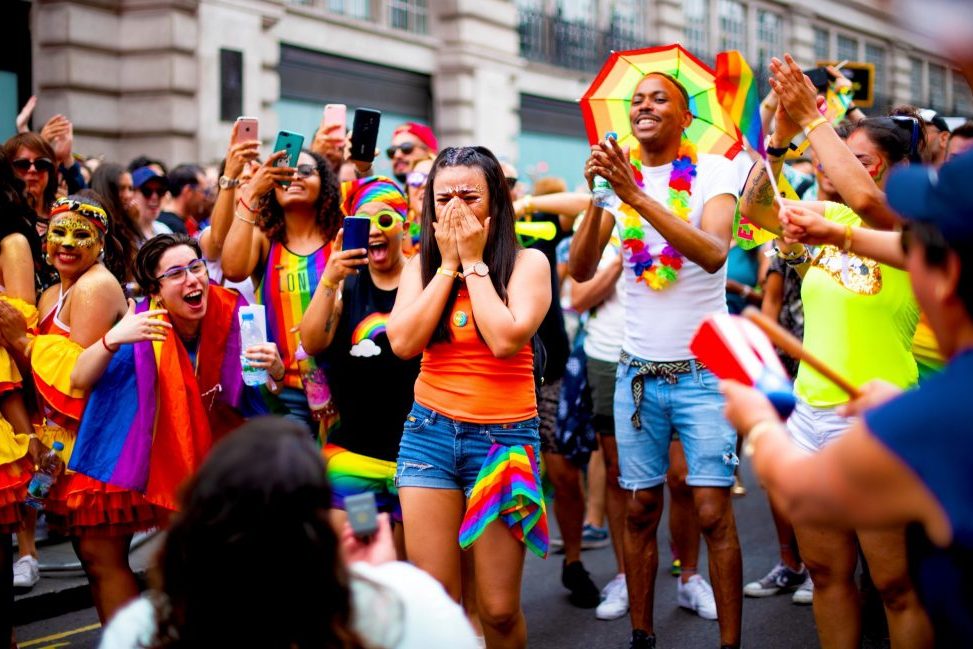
72,231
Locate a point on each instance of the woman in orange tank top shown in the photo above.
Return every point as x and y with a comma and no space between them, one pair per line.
467,473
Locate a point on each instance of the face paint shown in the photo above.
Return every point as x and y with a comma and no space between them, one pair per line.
878,171
72,231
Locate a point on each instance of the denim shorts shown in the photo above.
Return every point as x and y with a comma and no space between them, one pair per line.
441,453
691,406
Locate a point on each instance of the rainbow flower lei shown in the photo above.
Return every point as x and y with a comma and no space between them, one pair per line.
662,271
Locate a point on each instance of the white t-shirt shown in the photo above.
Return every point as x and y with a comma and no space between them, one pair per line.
660,324
394,605
606,322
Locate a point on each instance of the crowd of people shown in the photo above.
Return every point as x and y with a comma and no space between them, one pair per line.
454,366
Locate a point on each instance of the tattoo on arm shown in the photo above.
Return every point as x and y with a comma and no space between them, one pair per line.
765,193
329,325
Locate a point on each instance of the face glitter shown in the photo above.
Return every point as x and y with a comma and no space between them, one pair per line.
72,231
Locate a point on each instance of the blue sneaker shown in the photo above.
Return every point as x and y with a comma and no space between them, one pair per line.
593,537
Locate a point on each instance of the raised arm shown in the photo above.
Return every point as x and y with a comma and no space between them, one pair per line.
244,244
809,227
586,295
856,187
237,157
321,317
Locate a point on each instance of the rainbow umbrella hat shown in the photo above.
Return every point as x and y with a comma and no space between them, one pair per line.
606,104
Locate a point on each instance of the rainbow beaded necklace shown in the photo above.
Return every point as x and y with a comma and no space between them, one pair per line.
662,271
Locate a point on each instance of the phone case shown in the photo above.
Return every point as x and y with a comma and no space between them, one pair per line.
362,514
356,232
364,134
292,143
247,131
335,114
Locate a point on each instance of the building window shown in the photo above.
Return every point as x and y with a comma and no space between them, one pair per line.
962,98
352,8
696,14
916,95
875,54
231,84
733,26
627,22
409,15
937,87
822,44
847,48
581,11
770,39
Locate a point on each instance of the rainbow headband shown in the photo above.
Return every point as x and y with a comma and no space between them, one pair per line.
374,189
93,213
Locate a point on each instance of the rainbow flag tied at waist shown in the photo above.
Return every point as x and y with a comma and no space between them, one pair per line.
508,488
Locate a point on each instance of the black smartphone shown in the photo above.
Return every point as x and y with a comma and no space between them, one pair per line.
356,232
362,515
364,134
819,77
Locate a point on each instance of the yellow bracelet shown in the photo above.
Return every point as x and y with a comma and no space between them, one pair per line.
447,272
846,246
329,284
814,124
756,433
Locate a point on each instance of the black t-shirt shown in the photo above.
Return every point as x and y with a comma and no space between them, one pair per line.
372,388
172,220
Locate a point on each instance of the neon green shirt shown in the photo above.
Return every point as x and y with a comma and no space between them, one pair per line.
859,318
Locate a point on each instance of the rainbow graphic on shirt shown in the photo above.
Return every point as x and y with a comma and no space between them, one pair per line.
366,333
286,290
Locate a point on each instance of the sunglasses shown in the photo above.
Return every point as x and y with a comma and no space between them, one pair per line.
40,165
906,123
178,275
406,148
384,220
305,170
153,190
416,179
511,183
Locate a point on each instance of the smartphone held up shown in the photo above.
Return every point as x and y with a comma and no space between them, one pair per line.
364,134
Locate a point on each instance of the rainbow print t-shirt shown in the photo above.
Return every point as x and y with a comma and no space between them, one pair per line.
286,289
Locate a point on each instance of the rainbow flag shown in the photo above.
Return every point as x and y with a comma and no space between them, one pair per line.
737,92
508,488
750,235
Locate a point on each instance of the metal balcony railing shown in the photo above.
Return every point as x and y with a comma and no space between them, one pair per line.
577,45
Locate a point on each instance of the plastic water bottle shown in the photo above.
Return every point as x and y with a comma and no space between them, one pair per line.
51,466
251,334
602,192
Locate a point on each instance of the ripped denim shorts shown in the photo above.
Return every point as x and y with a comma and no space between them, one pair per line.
441,453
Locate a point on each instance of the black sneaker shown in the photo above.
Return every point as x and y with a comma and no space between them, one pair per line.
642,640
584,593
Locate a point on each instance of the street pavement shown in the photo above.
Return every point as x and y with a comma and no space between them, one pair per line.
552,623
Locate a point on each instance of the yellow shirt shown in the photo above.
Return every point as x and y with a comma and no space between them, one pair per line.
859,318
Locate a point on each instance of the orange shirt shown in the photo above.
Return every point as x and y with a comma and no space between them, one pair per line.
463,380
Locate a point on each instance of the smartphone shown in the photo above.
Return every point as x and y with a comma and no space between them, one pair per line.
292,143
819,77
335,114
246,130
362,515
356,232
364,134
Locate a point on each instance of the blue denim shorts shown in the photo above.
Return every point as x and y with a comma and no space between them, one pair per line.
441,453
691,406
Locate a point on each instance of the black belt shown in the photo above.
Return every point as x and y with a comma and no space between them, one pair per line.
666,370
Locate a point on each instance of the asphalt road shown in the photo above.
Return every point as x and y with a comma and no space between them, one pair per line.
769,623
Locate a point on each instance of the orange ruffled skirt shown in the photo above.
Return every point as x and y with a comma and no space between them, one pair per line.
82,506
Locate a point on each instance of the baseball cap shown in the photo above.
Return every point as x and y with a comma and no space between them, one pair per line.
929,116
421,131
143,175
941,197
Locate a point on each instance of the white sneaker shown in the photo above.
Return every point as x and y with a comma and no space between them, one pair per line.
804,593
26,572
697,596
614,599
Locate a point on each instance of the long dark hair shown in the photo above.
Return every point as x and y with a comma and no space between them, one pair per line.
501,249
43,149
327,207
104,181
900,136
262,489
17,216
114,260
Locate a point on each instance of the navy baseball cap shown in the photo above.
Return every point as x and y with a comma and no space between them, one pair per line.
942,197
144,174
